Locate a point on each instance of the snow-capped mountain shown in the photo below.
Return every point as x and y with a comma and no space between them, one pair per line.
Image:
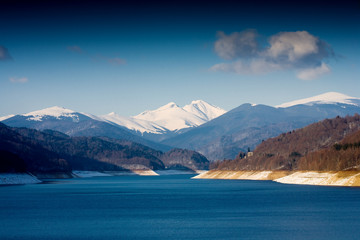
56,112
173,117
204,110
326,98
75,123
168,119
133,124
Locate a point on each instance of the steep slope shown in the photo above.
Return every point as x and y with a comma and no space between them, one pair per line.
19,153
247,125
296,150
344,155
76,124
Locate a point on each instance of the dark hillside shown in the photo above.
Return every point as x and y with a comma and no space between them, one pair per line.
285,151
344,155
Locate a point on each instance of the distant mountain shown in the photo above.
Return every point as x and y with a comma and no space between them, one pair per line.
50,151
247,125
174,118
326,98
199,126
166,121
76,124
137,125
329,145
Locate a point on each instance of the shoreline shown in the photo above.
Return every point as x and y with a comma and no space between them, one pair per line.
319,178
29,178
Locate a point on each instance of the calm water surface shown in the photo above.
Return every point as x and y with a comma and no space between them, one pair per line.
177,207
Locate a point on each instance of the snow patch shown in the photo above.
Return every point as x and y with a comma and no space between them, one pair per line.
326,98
55,111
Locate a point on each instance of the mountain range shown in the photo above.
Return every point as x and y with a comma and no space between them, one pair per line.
199,126
248,125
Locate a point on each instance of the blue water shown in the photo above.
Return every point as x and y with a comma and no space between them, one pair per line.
177,207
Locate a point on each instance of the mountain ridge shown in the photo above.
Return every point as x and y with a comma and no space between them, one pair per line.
219,136
165,119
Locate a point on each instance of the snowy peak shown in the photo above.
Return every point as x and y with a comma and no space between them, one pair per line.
55,111
204,110
167,106
173,117
326,98
167,118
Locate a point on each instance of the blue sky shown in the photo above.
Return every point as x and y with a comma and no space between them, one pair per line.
100,57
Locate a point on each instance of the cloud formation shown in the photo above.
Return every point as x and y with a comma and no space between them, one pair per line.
19,80
312,73
237,44
300,51
4,54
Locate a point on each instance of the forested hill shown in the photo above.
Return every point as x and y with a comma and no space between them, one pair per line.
23,149
329,145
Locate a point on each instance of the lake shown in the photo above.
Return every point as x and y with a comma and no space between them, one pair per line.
177,207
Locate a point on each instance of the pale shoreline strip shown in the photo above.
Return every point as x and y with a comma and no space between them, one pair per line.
323,178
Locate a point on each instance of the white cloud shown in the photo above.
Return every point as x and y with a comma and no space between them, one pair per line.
292,45
19,80
237,44
299,51
312,73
